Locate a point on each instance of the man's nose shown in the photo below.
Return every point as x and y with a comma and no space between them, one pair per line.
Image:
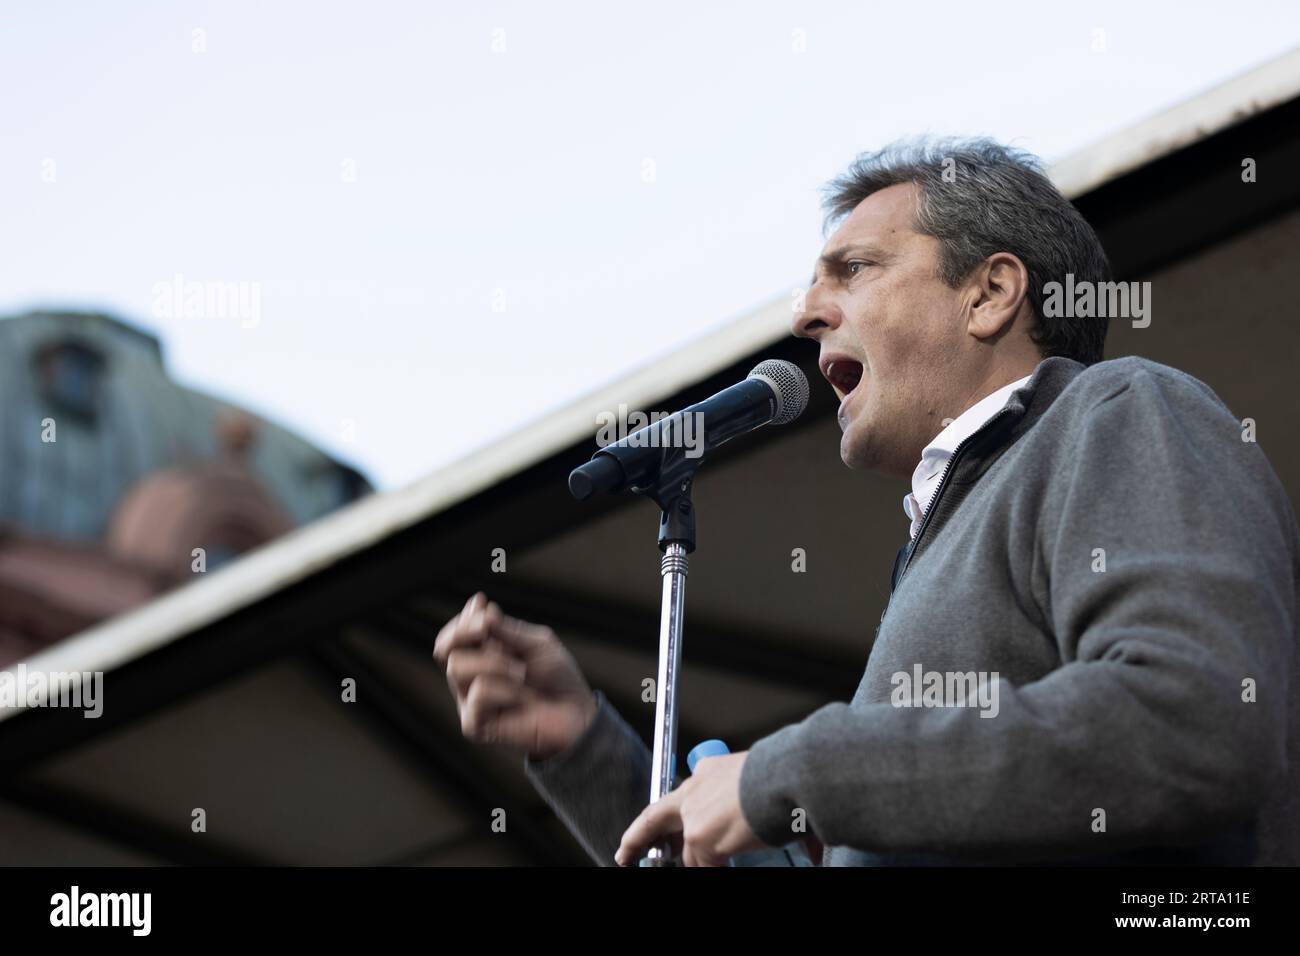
817,316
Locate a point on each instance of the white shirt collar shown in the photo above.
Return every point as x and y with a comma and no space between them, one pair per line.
925,479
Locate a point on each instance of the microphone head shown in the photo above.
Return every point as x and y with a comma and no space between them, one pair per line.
790,385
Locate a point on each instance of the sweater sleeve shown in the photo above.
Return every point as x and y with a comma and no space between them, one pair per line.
1165,722
599,785
602,782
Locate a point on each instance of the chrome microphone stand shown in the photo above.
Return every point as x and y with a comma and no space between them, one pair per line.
775,392
667,484
676,541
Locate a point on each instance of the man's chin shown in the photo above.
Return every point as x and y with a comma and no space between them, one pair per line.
859,453
851,451
855,436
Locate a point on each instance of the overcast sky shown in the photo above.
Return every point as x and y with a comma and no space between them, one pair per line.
451,217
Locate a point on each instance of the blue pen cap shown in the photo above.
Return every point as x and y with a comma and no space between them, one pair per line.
707,748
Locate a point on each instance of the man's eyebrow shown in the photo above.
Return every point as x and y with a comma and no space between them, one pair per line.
838,256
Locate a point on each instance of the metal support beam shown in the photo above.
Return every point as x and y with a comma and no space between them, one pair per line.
441,752
741,652
126,828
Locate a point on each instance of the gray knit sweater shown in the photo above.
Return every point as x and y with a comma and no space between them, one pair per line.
1090,656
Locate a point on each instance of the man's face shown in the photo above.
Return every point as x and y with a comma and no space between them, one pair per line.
891,332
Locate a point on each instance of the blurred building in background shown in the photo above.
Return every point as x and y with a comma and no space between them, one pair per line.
117,484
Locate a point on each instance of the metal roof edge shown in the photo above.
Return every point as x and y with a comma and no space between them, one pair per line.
1246,95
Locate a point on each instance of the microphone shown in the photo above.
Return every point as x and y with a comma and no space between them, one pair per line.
775,392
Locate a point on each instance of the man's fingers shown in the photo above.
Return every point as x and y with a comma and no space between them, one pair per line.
467,628
469,603
466,664
522,637
656,822
709,859
488,696
481,618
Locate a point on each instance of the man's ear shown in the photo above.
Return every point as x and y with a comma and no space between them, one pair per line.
1000,286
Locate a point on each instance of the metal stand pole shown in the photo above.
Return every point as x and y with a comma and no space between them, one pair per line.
676,541
673,567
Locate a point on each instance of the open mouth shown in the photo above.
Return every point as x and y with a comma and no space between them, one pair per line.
844,374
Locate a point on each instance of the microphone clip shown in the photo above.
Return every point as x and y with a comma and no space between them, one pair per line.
671,491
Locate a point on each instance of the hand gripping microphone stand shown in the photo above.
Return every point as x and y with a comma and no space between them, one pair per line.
667,482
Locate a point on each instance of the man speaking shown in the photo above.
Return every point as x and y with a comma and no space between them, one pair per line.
1092,546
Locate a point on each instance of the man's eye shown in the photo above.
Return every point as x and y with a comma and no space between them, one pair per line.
848,267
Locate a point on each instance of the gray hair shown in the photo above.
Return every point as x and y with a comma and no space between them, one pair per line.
978,197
